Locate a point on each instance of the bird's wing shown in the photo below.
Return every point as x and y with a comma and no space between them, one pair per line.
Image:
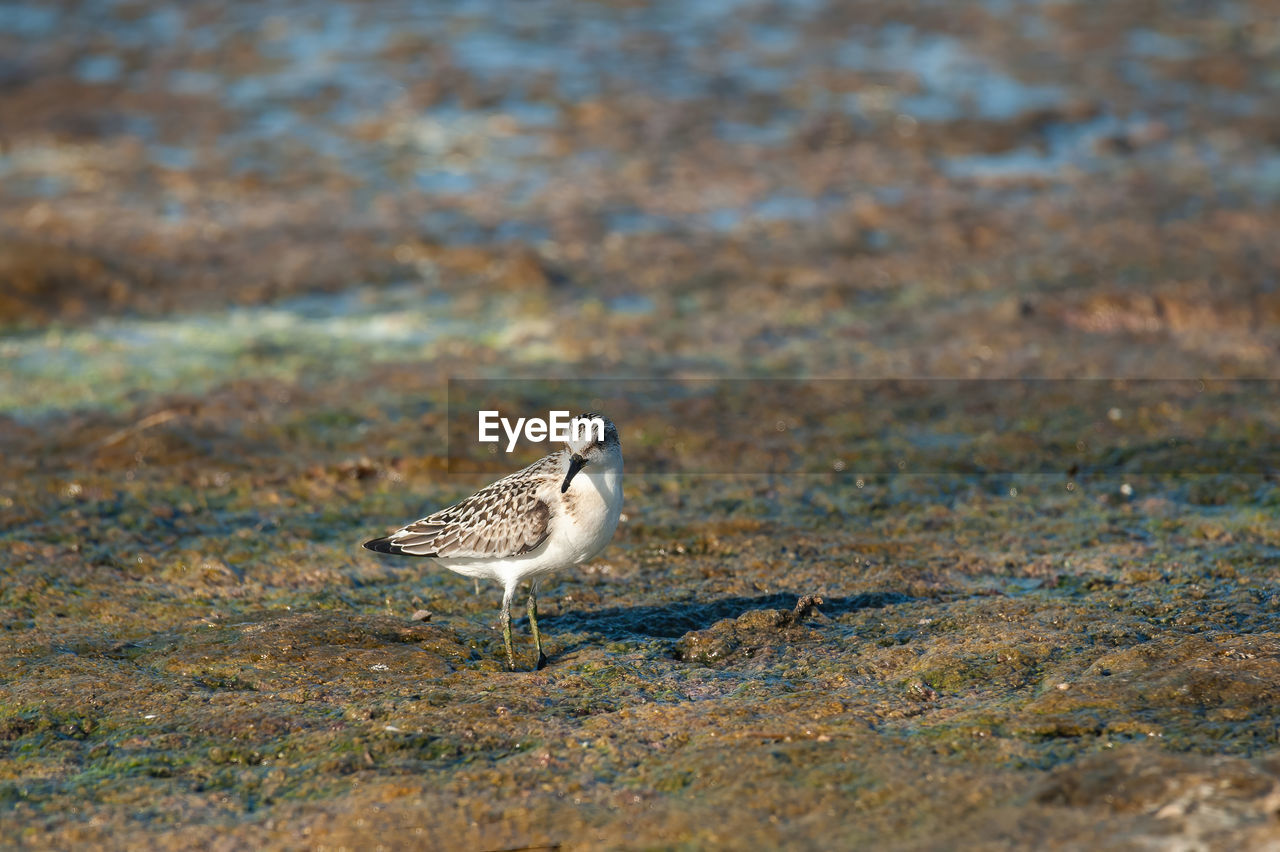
504,519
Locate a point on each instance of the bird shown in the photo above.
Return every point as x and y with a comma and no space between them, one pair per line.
560,511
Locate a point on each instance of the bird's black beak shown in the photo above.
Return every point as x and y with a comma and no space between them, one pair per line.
576,463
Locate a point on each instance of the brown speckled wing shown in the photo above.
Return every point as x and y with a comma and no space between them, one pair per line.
500,520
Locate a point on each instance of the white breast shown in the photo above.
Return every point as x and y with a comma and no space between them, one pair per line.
591,514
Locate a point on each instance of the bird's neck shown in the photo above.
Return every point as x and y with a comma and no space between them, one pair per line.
607,481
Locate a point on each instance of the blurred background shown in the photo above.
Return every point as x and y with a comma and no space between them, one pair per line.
198,193
244,246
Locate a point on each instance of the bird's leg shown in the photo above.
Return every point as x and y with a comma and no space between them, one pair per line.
506,625
533,623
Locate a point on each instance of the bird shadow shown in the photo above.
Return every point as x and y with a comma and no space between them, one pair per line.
673,620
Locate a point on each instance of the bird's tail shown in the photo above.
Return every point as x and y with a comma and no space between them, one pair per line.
382,545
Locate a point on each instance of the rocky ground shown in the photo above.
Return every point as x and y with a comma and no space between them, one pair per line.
244,248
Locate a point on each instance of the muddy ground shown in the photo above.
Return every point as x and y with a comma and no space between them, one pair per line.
244,248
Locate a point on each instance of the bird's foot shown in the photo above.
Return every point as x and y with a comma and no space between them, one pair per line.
542,661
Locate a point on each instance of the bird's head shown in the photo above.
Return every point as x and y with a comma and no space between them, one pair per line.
593,440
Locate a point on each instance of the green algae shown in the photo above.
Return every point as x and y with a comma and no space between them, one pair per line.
216,644
104,365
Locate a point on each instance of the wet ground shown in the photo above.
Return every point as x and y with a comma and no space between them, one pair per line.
244,247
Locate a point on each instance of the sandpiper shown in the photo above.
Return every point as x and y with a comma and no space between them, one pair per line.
559,511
